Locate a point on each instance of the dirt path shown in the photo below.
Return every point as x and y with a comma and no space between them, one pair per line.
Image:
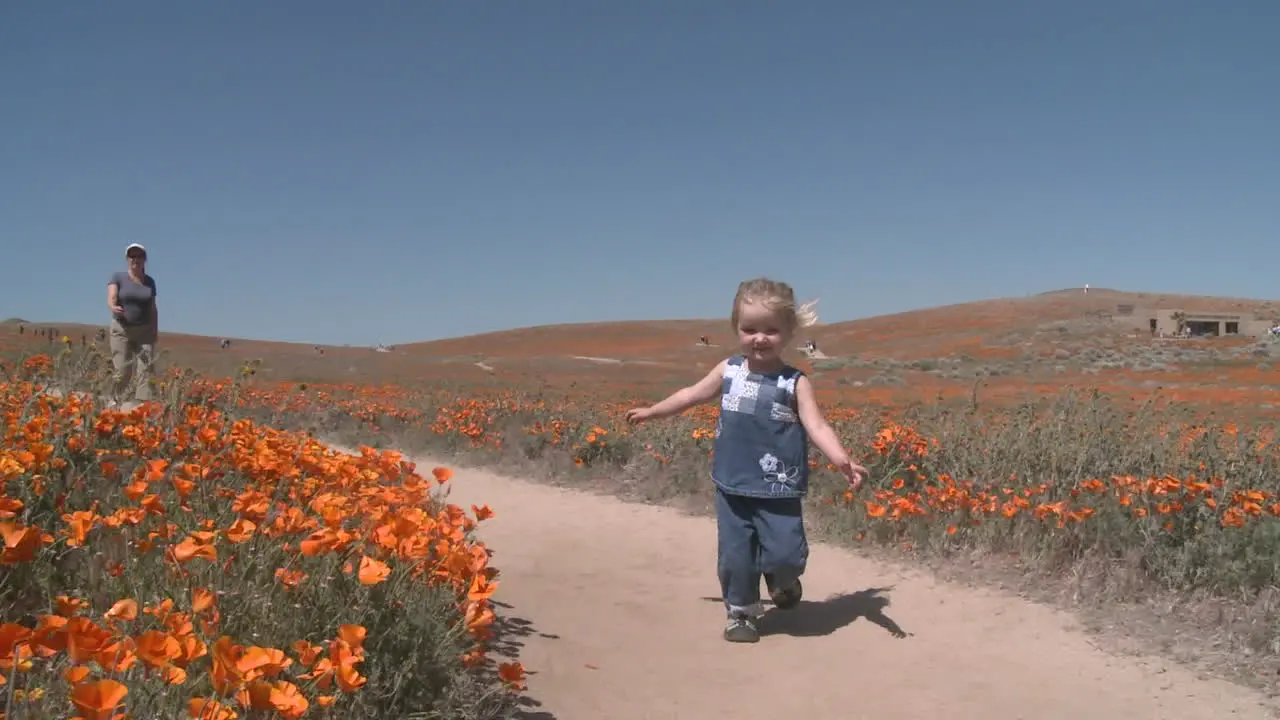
618,605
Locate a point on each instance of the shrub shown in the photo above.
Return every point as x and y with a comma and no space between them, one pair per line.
179,560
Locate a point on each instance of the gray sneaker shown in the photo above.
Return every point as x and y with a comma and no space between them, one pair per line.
741,629
784,598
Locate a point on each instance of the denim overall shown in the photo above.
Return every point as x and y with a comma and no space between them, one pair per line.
761,473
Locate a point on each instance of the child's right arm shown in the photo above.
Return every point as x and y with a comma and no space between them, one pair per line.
705,390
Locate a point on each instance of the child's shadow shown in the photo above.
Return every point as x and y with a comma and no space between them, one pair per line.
812,618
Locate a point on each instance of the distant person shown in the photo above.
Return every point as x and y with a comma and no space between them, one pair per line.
761,468
131,297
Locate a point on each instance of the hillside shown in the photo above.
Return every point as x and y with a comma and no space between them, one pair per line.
926,333
1011,346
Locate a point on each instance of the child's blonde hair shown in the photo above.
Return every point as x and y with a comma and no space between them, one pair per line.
779,298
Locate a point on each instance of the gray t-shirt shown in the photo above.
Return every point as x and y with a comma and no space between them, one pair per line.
137,299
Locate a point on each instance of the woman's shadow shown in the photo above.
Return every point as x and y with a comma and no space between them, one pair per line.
813,618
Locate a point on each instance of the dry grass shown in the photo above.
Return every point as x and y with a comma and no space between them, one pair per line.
181,560
1027,443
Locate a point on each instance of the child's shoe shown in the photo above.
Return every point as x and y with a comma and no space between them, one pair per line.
741,629
784,598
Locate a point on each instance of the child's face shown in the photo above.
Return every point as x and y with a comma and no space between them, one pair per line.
762,333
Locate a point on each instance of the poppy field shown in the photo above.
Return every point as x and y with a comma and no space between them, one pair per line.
180,560
1151,512
1134,481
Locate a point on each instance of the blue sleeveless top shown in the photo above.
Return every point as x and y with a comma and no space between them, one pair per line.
761,449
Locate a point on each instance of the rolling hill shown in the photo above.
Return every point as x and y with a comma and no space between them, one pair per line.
1013,345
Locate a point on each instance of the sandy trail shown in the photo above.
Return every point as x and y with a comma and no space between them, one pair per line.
619,606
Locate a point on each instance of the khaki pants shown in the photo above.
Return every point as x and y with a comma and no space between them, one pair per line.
132,356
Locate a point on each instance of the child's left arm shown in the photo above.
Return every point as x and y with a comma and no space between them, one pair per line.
823,436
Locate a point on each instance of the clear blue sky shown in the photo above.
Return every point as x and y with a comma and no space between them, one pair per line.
396,171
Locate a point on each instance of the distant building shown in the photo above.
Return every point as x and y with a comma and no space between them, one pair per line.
1173,322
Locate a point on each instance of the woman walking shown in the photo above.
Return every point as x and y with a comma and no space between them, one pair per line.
131,296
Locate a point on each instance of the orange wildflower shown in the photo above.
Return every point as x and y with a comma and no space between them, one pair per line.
99,699
372,571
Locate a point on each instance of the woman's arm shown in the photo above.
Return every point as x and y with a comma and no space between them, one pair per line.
155,311
113,298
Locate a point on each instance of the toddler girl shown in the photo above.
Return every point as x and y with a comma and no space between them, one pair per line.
761,469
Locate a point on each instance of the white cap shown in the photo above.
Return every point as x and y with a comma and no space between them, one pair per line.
135,245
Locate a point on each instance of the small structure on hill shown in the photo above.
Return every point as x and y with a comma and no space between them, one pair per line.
1182,323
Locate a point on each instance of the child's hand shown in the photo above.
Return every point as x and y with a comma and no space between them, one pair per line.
636,416
854,472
